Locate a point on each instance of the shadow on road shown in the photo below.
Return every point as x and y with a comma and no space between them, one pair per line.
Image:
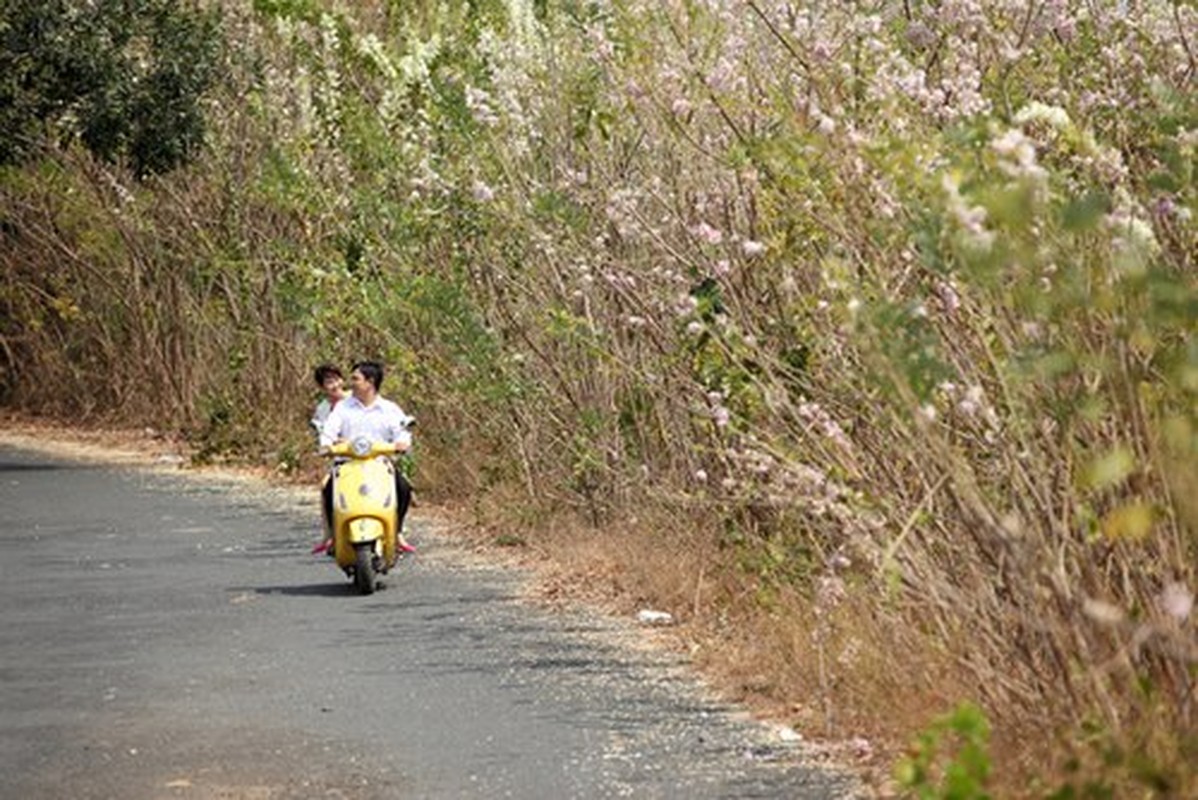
41,466
302,590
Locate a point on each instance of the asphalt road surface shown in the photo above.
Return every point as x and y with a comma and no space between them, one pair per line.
168,637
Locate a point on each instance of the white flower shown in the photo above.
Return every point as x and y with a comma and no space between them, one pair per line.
971,218
701,475
839,561
1053,116
1177,601
752,248
1019,155
1102,611
482,192
830,591
973,401
479,104
1141,233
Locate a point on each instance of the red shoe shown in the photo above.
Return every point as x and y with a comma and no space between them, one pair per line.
320,547
404,547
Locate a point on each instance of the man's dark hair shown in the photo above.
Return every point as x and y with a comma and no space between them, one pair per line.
326,371
371,371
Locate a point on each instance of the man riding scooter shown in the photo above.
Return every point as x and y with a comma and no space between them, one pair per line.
368,415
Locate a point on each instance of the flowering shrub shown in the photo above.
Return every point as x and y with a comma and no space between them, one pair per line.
909,287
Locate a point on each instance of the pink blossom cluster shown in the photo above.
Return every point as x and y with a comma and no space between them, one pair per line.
776,153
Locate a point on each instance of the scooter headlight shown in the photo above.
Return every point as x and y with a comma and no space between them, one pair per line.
360,447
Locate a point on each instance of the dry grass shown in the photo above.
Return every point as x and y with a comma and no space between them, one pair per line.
855,671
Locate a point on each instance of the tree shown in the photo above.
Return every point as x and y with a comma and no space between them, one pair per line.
124,78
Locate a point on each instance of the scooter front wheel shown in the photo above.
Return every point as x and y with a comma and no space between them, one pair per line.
365,578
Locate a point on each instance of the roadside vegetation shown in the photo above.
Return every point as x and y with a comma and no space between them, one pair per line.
859,336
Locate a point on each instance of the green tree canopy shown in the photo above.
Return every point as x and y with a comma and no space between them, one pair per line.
125,78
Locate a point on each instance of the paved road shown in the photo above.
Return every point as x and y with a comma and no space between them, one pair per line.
164,637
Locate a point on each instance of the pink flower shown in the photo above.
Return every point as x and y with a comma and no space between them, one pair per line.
707,233
948,296
1177,601
830,591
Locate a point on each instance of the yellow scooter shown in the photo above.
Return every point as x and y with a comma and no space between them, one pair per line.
364,506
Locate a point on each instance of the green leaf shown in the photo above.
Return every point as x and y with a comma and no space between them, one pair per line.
1110,469
1086,212
1164,181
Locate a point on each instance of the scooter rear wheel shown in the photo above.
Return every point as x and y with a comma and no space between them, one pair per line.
365,579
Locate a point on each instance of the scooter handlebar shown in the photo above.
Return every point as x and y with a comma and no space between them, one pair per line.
361,448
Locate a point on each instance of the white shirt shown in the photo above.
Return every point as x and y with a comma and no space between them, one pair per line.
321,414
381,421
